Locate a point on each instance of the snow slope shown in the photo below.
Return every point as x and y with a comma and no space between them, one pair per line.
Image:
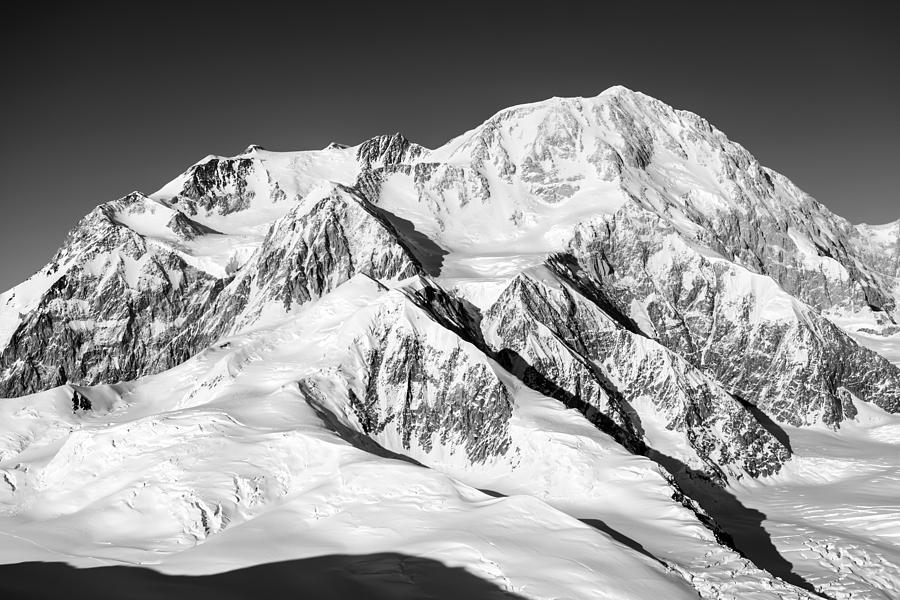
232,467
833,511
589,349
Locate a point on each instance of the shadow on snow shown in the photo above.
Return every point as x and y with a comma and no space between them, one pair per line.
383,576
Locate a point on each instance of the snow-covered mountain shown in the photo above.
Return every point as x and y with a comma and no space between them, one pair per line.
573,351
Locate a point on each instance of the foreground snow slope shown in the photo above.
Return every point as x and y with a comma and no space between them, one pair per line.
222,463
637,342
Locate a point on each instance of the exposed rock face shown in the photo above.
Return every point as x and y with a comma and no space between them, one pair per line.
386,151
717,193
80,402
306,254
568,341
776,230
116,302
130,305
217,184
416,386
224,186
738,326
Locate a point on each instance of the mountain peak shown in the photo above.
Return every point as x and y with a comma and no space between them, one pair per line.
383,150
617,90
598,307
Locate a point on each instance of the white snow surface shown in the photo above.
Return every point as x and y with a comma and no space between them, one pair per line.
222,462
833,512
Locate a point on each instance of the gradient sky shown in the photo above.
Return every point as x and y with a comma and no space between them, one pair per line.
98,102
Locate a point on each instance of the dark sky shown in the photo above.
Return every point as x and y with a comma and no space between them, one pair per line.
98,102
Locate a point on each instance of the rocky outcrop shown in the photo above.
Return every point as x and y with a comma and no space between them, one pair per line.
726,201
223,186
741,328
563,340
417,387
305,254
385,151
218,185
114,302
130,305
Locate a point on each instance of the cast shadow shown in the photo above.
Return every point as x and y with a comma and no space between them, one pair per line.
766,422
355,438
602,526
622,539
383,576
626,435
735,525
427,252
742,525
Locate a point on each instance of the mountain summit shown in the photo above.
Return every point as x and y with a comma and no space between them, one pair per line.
600,310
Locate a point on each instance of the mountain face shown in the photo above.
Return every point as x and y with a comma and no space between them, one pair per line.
113,299
597,316
569,343
756,339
